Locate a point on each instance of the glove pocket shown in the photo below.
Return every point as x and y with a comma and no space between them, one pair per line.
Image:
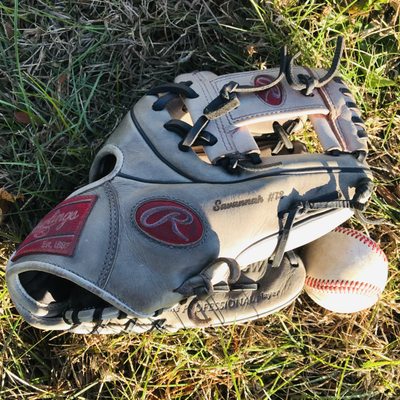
165,239
59,264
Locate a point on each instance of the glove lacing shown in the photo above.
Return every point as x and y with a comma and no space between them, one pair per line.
228,100
202,288
357,203
305,83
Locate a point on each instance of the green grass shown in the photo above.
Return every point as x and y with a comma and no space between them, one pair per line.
68,73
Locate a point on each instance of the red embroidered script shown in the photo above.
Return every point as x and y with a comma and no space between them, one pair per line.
58,232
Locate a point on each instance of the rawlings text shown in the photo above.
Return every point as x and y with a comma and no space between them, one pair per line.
58,232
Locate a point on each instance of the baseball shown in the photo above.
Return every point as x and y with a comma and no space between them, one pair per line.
346,271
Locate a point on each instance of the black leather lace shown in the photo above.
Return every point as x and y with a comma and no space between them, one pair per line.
228,100
305,83
202,289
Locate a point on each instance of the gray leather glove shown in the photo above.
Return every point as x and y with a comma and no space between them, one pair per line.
200,180
261,290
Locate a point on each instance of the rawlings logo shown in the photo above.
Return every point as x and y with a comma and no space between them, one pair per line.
176,216
273,96
169,222
55,222
58,232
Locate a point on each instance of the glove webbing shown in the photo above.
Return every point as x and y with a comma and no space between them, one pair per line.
228,100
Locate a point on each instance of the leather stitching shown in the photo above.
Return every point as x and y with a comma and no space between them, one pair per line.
109,257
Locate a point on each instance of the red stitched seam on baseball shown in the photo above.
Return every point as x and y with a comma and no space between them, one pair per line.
342,286
363,239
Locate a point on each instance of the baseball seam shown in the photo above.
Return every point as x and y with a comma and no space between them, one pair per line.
363,239
342,286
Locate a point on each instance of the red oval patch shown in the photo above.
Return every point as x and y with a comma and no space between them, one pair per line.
169,222
273,96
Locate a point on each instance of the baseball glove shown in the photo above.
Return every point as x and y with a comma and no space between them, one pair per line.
194,204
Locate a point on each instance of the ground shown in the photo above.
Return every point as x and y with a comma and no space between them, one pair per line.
69,70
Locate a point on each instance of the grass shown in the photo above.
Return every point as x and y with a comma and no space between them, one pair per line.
68,73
